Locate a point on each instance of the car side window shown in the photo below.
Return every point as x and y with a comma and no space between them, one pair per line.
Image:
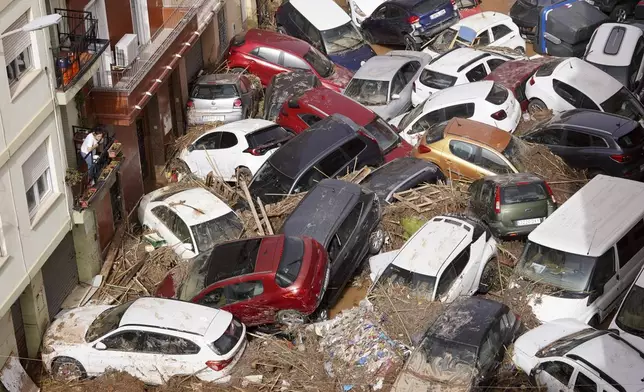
565,91
242,85
298,19
228,139
545,136
398,84
158,343
604,269
461,261
487,191
348,226
394,12
269,54
309,119
163,214
463,150
561,371
180,228
500,31
380,13
333,162
465,110
243,291
475,188
482,39
577,139
494,63
445,281
597,141
409,71
293,62
489,348
583,383
208,142
128,341
353,147
493,162
477,73
636,61
214,298
630,244
425,122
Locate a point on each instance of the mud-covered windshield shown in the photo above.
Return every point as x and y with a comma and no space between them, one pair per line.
341,38
631,316
443,40
422,284
106,322
225,228
444,361
368,92
322,65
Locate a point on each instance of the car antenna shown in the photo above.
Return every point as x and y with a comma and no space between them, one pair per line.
591,242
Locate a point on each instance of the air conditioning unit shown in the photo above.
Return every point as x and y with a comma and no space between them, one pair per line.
126,50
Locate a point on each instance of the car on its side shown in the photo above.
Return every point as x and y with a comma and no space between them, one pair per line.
260,280
462,348
568,355
384,83
629,320
323,24
443,260
408,22
303,110
569,83
331,147
285,85
222,97
345,219
466,149
266,53
511,204
487,28
457,66
618,50
191,221
485,101
153,339
400,175
235,150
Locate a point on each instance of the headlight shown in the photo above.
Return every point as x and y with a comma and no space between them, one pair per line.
358,11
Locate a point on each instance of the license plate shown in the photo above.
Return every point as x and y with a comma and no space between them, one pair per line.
437,14
526,222
213,118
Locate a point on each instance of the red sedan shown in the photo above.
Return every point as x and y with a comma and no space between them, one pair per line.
266,53
298,113
260,280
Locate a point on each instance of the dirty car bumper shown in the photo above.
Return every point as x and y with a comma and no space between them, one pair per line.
426,32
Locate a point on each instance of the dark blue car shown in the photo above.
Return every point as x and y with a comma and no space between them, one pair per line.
324,25
409,22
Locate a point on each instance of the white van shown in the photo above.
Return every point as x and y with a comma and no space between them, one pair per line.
587,253
629,320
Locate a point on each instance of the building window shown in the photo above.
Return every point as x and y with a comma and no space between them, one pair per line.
37,176
17,50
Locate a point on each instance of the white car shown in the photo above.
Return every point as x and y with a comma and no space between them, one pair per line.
235,149
629,320
569,83
362,9
191,221
444,259
567,355
153,339
458,66
485,101
487,28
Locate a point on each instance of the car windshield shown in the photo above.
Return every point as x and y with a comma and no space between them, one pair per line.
436,80
444,361
624,104
368,92
106,322
322,65
523,192
269,181
631,316
443,40
214,91
291,262
386,137
565,271
411,116
512,152
563,345
422,284
225,228
341,38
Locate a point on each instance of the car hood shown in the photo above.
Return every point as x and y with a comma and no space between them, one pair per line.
353,59
71,326
548,308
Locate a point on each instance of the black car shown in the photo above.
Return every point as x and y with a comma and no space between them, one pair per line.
525,14
284,85
409,22
400,175
345,219
462,348
331,147
600,142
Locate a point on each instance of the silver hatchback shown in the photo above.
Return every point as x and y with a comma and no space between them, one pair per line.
222,97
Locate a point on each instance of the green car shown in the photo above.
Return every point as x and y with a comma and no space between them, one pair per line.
511,204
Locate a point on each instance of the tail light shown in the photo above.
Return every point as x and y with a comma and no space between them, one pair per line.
255,151
620,158
532,81
500,115
497,200
237,103
413,19
218,365
549,190
423,149
190,104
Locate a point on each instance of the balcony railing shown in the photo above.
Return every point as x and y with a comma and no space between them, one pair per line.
78,48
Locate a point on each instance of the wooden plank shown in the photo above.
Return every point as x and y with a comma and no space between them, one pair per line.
251,205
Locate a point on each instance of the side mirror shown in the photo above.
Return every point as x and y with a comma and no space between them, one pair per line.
292,103
100,346
395,96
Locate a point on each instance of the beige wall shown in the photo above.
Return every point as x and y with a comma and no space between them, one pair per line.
8,345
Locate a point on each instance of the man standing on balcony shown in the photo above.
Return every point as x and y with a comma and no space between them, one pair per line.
91,142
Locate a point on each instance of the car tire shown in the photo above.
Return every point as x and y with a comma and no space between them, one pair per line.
536,105
620,13
67,369
290,317
376,240
520,49
410,43
243,174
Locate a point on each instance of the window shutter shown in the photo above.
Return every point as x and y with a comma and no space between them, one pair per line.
36,165
15,44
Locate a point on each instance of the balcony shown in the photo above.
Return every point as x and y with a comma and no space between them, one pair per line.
77,57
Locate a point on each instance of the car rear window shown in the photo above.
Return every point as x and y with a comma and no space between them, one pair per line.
267,136
497,94
426,6
229,339
548,68
215,91
632,139
291,262
523,193
436,80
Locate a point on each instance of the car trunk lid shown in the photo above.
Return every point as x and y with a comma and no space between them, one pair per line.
524,203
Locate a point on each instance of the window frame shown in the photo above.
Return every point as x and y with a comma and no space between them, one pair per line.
494,37
146,334
23,41
39,198
474,79
474,155
631,243
543,364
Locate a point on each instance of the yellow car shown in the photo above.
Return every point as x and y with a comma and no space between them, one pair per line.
467,149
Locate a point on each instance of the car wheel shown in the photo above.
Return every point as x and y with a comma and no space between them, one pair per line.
243,174
290,317
520,49
376,240
67,369
620,12
535,106
410,43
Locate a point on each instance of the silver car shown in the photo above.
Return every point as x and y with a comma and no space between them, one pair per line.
384,83
222,97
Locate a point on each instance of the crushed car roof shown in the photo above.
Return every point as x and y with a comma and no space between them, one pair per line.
479,132
512,74
381,67
386,179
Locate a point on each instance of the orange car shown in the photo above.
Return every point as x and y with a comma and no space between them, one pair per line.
466,149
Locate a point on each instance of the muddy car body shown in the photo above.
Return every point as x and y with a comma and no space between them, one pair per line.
344,218
462,348
283,86
262,280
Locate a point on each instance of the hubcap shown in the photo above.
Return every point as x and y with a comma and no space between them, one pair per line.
69,371
292,317
621,15
377,239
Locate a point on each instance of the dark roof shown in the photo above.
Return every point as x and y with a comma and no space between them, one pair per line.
387,178
322,208
599,122
510,179
330,102
232,259
309,146
466,320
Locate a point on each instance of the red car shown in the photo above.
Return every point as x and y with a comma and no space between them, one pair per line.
513,75
467,7
298,113
260,280
266,53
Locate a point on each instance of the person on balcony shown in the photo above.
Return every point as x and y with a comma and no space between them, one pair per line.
90,144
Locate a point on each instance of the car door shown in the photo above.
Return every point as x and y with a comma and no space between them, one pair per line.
344,248
165,217
403,101
604,286
549,137
463,280
171,355
489,353
576,148
491,161
265,63
408,73
244,297
198,158
585,382
294,63
461,163
374,23
573,96
415,131
502,35
394,25
217,153
483,38
555,375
